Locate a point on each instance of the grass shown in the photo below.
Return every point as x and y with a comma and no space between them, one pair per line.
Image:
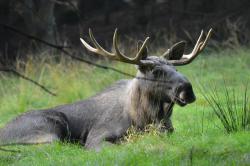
231,108
199,137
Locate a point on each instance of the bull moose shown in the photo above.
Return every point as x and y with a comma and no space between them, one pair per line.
147,98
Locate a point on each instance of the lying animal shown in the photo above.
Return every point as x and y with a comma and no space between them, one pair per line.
148,98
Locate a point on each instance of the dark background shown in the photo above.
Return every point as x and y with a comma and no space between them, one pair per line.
62,22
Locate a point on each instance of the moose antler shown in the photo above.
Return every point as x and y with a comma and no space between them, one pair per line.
117,55
198,48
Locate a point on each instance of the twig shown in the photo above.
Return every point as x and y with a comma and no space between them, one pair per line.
28,79
7,150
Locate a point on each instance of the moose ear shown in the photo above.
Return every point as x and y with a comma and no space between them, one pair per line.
144,52
175,52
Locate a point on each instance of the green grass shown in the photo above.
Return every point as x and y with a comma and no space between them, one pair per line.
199,137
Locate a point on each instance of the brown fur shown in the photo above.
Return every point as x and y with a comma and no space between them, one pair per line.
144,106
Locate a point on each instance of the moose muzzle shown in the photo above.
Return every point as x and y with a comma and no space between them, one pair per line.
185,94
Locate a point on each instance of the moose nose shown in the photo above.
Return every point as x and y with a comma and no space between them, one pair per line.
186,93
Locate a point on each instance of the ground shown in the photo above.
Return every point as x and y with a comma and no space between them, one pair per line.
199,137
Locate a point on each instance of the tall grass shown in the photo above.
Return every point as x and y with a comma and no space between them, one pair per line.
230,107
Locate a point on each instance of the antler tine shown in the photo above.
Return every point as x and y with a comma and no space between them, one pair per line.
139,55
199,46
88,46
115,46
124,58
99,48
196,47
206,40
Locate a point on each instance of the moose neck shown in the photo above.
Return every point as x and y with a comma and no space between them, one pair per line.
145,106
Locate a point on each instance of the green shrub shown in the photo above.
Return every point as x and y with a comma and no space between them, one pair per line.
231,108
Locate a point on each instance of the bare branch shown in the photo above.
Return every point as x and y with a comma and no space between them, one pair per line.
28,79
12,151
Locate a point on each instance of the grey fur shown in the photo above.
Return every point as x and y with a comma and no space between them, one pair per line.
107,115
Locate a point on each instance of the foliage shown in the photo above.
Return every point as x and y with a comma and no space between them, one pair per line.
232,109
197,140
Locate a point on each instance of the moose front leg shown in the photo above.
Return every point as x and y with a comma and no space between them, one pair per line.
168,126
95,139
167,122
104,134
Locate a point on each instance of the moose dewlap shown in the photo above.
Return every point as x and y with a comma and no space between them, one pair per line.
148,98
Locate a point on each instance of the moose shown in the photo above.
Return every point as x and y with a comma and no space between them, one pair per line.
147,98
